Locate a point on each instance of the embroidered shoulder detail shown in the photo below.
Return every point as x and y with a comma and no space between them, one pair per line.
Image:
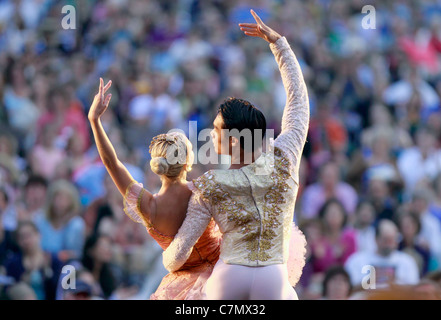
208,189
282,162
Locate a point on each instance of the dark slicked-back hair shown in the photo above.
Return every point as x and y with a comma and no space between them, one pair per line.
241,114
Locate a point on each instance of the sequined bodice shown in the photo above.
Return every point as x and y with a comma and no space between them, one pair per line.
252,210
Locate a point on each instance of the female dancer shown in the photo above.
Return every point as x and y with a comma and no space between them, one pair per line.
253,204
162,213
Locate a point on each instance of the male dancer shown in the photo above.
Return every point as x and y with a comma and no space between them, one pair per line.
254,211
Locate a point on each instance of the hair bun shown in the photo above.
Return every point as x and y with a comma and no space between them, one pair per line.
159,165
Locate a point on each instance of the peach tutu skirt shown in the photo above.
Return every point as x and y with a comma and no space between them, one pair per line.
184,284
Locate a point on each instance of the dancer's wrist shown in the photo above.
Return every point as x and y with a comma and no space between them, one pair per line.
274,38
94,119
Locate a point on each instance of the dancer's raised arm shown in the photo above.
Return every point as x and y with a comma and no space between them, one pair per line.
295,119
120,175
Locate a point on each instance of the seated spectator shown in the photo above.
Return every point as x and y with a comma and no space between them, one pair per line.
429,236
9,147
364,226
62,229
389,266
336,284
376,162
380,195
410,226
75,152
87,277
86,287
65,118
435,200
424,156
97,258
90,180
8,183
327,135
7,243
402,94
21,111
82,291
38,268
382,120
21,291
329,186
152,112
128,238
337,242
45,156
33,199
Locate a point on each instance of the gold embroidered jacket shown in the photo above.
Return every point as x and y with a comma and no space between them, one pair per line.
254,205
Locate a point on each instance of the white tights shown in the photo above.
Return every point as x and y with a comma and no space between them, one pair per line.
237,282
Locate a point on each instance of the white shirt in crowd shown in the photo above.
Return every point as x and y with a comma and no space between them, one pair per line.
431,234
427,168
398,267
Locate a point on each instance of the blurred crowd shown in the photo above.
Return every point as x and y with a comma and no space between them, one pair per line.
370,189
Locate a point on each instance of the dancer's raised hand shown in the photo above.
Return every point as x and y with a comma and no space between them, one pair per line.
259,29
100,104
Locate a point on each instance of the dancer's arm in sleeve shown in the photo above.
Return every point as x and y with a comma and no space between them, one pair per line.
124,181
295,119
197,219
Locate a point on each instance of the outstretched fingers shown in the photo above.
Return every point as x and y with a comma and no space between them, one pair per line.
259,29
250,29
103,89
252,34
248,25
99,94
108,97
108,85
257,18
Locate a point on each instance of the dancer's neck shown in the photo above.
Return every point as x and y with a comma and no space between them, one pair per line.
168,184
243,159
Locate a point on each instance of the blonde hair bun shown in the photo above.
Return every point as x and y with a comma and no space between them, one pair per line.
159,165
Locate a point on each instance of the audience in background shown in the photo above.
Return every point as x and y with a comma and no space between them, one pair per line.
329,186
337,241
374,140
36,267
384,267
364,226
336,284
62,229
410,226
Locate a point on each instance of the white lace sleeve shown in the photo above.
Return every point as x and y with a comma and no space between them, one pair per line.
197,219
295,120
